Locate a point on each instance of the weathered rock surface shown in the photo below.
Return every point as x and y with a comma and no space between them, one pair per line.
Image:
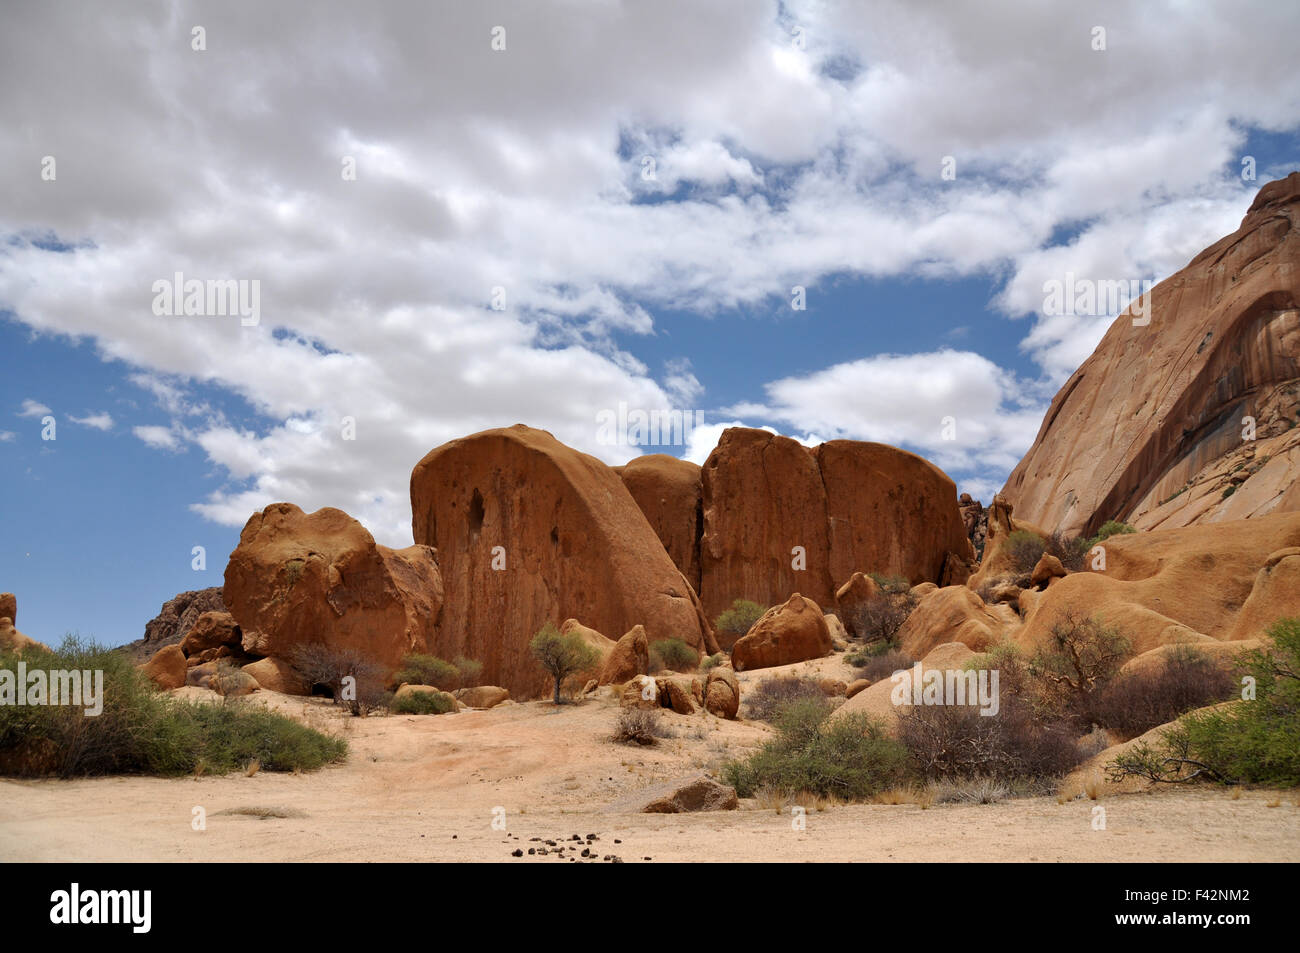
167,667
629,658
951,614
877,700
702,794
212,630
481,696
177,617
779,517
722,692
669,492
1150,428
298,578
794,631
567,540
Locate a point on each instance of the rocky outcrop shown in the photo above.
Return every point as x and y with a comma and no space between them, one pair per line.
10,637
722,692
1151,428
1222,581
298,578
951,614
529,531
176,617
668,490
779,517
794,631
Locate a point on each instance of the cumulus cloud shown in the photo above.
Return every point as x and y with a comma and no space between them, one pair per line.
99,421
33,408
499,255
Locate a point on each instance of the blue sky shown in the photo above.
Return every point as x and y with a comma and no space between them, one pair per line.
775,165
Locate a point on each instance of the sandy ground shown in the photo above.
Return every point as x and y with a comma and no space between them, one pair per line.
429,788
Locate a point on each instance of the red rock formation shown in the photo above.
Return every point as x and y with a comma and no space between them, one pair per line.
851,506
1150,428
669,492
296,578
568,540
176,617
792,632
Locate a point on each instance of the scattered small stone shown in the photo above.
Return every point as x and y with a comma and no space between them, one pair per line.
531,851
516,853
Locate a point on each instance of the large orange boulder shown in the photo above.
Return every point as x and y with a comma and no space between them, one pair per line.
297,578
780,517
167,667
629,658
9,607
951,614
668,491
1152,427
529,531
211,631
792,632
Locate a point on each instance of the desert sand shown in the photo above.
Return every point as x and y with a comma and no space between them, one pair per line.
424,788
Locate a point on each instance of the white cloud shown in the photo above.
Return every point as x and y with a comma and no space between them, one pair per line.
99,421
33,408
517,182
160,438
7,435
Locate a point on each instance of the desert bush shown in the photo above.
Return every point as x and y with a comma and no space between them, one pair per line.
351,678
673,654
891,585
877,665
740,618
639,726
1254,740
764,701
561,655
1081,655
1024,549
851,758
1072,551
1130,705
142,731
712,661
1111,528
947,742
419,669
880,618
423,703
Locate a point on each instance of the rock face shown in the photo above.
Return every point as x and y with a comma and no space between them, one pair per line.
951,614
9,607
530,531
1224,581
210,632
669,492
722,692
792,632
176,618
848,507
297,578
1150,428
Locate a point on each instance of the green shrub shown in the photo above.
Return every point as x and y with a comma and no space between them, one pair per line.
894,585
561,655
142,731
883,662
1080,656
420,669
1025,549
851,758
1111,528
879,619
712,661
740,618
765,700
1130,705
673,654
423,703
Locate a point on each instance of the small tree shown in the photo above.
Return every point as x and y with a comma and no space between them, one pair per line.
350,677
1081,655
561,655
